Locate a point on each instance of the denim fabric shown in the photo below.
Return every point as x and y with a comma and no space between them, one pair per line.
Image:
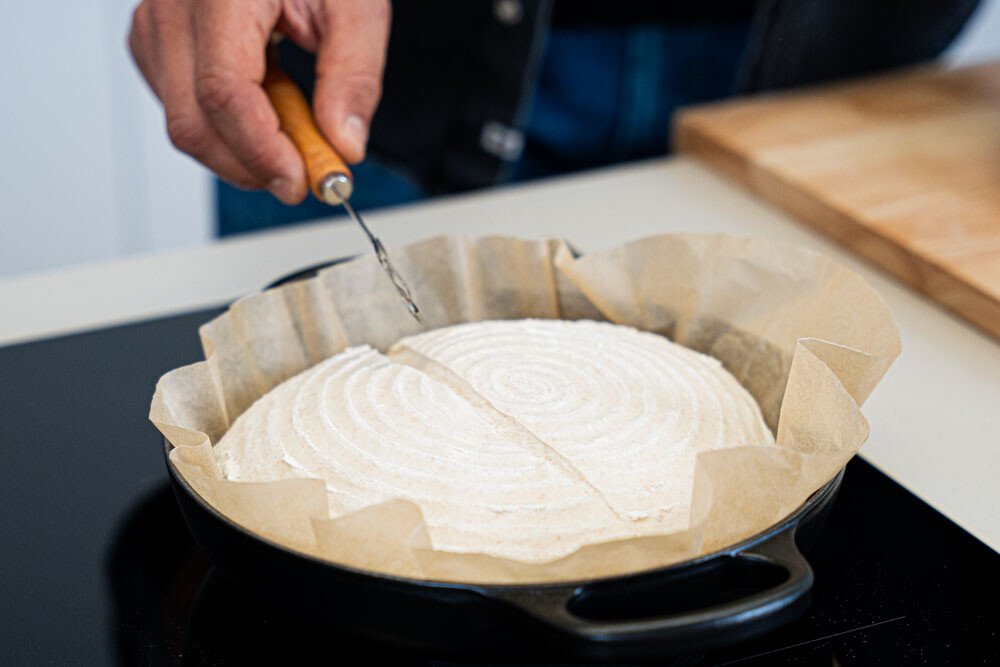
606,95
374,185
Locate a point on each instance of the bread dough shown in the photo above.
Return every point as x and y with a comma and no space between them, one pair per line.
523,439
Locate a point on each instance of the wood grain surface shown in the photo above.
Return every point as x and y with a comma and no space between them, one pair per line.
297,121
903,169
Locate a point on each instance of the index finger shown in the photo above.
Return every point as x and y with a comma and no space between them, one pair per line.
230,42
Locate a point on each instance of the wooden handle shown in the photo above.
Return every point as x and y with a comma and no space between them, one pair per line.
297,122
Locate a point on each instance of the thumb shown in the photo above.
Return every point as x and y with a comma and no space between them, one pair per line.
349,65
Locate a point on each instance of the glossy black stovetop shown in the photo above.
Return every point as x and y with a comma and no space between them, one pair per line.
98,567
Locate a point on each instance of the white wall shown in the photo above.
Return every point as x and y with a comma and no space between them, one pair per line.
86,171
980,40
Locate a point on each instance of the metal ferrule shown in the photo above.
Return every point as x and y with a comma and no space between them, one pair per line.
336,188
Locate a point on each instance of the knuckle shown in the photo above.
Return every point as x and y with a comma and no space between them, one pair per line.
162,12
140,15
186,133
366,89
134,43
139,28
257,160
214,90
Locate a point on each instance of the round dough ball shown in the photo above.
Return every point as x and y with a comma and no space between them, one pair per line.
523,439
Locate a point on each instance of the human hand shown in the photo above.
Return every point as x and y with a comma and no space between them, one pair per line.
205,60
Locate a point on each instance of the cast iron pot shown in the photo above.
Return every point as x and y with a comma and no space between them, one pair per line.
732,595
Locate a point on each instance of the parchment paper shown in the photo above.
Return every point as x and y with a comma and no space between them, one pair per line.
807,337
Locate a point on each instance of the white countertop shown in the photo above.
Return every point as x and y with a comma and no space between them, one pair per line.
935,418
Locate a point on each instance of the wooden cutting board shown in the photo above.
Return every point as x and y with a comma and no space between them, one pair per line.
904,169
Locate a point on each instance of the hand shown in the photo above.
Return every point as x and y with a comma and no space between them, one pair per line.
205,60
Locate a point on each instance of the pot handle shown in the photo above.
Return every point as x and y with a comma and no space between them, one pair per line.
554,606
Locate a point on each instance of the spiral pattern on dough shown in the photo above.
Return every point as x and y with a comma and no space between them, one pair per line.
629,409
524,439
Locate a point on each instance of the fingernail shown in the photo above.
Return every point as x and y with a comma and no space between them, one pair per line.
282,189
357,133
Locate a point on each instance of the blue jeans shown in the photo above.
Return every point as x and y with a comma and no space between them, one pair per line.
374,186
603,95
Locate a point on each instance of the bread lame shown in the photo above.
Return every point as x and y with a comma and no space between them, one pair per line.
330,179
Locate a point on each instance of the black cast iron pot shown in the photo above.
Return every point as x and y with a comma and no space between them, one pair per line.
732,595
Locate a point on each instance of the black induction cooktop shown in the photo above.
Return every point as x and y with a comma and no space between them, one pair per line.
99,568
